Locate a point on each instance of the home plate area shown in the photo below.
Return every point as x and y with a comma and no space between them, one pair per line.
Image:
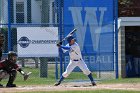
69,86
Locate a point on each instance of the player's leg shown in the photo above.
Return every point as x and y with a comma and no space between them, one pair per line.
12,77
69,69
86,71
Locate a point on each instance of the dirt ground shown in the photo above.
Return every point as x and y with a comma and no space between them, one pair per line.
72,86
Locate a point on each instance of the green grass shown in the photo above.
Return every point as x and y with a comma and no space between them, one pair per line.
92,91
35,79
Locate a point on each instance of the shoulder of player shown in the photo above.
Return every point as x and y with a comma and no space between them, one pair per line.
3,63
75,44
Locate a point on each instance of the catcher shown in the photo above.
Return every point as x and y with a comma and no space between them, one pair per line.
9,68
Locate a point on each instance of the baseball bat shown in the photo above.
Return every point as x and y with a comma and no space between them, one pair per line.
70,34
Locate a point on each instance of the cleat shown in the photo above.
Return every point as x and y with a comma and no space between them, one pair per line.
11,85
56,84
1,86
93,84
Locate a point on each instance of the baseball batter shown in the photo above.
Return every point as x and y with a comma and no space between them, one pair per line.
75,60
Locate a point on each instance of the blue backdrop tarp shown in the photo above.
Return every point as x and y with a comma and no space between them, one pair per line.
94,21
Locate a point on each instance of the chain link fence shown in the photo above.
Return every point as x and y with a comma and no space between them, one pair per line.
29,13
41,13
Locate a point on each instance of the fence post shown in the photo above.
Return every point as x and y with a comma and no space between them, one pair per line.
45,19
23,62
116,36
9,25
45,11
60,33
43,67
56,68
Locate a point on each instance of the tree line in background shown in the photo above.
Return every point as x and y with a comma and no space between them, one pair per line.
129,8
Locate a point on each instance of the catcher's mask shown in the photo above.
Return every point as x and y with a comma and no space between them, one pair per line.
12,54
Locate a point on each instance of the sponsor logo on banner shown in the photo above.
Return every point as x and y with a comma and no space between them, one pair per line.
24,42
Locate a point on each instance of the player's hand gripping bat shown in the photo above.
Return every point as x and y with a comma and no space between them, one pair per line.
70,34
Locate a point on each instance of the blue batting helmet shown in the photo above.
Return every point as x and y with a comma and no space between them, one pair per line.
70,38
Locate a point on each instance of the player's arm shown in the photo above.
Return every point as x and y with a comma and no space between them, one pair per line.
65,47
19,69
25,75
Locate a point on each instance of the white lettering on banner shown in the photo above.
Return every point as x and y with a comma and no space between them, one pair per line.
91,19
92,59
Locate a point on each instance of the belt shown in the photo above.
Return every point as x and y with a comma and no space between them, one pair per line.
76,59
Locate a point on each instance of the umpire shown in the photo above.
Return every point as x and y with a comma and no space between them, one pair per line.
9,68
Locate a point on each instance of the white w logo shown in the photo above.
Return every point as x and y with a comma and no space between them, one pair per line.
90,19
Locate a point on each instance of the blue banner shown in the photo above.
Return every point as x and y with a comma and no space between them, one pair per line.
94,21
